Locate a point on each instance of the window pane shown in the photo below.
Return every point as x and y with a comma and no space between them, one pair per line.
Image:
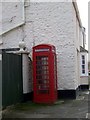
83,61
83,57
43,91
83,66
83,71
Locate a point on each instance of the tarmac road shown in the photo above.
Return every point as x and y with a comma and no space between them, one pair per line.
78,108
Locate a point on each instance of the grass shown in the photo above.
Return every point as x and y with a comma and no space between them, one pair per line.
27,106
31,106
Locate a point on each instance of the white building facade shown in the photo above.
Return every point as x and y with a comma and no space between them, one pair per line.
56,23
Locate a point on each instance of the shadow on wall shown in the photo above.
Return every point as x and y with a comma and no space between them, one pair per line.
29,96
89,68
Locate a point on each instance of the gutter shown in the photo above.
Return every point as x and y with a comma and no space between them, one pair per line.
77,13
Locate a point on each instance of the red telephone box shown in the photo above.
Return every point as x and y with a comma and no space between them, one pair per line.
44,74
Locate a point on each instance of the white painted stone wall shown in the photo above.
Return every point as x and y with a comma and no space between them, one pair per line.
11,39
12,14
81,38
84,80
52,23
27,83
78,42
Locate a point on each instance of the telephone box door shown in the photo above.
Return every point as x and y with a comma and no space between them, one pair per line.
44,74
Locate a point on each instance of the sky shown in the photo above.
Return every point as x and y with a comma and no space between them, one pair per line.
83,10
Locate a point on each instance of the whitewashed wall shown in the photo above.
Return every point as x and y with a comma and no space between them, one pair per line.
77,38
27,82
12,15
11,39
52,23
84,80
81,37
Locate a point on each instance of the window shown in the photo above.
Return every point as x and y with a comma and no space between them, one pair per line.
83,64
42,76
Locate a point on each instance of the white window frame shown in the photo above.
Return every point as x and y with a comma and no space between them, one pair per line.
85,64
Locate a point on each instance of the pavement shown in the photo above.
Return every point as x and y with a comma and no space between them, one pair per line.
78,108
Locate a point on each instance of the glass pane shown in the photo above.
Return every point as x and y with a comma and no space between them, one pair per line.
38,58
38,77
43,81
41,57
38,62
83,57
40,81
38,67
44,62
39,72
83,66
83,61
43,91
42,76
83,71
44,58
45,67
43,87
46,77
42,72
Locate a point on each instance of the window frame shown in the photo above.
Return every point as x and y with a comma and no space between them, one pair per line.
83,63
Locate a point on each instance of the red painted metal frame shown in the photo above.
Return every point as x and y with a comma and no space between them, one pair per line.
50,52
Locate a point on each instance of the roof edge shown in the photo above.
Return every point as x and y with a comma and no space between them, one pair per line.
77,12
